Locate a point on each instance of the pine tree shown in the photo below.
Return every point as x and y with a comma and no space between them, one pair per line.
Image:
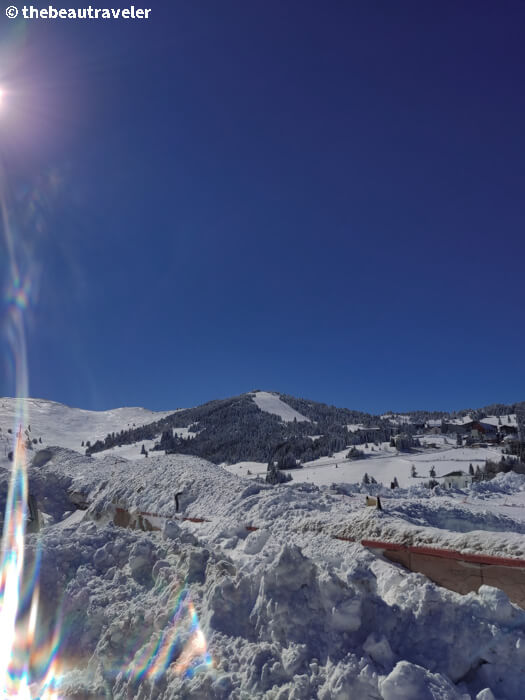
471,469
365,479
432,471
413,471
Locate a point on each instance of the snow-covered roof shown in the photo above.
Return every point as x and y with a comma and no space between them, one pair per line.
495,421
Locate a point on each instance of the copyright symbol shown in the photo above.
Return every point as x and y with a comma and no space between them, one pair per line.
11,12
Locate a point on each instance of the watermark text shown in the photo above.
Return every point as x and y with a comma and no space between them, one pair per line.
90,12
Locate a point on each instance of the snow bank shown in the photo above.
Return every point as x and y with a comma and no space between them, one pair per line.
390,527
287,611
501,484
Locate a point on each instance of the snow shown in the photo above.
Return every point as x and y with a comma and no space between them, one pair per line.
286,611
134,450
460,421
61,425
382,462
396,418
494,420
248,469
271,403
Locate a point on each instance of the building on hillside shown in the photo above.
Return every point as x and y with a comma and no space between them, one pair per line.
433,424
457,479
507,429
486,431
461,427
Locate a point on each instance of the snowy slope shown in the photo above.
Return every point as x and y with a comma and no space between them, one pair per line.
384,463
271,403
58,424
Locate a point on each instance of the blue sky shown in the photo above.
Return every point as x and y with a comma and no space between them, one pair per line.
324,199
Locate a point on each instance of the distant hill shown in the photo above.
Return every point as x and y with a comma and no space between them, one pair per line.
254,427
261,425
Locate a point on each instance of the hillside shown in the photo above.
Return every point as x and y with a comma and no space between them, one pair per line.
251,426
52,423
259,426
248,429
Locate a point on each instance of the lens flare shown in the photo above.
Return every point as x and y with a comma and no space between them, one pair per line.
28,666
181,647
31,655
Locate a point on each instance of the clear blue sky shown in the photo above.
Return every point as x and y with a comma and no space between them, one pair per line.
324,199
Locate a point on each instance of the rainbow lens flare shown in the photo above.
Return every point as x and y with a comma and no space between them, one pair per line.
32,663
28,665
181,648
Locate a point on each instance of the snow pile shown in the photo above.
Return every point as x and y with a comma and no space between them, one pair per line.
281,626
147,485
508,483
447,515
287,611
386,527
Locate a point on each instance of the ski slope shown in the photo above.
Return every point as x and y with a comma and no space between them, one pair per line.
271,403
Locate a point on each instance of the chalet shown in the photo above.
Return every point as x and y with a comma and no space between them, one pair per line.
462,426
433,425
456,479
487,431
